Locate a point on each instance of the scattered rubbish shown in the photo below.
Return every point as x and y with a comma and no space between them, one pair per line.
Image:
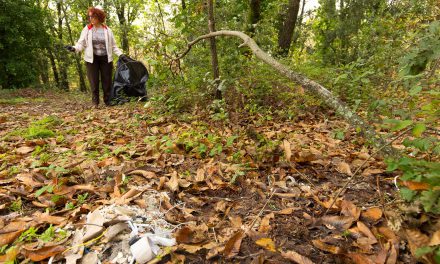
123,233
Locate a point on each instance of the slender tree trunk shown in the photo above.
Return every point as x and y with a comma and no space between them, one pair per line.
44,69
183,4
161,16
120,12
62,54
254,15
214,56
54,67
82,82
287,27
297,32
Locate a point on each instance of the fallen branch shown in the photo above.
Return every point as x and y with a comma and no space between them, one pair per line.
309,86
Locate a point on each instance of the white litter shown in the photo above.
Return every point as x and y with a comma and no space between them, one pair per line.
124,233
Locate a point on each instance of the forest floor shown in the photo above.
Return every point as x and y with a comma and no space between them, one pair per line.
257,190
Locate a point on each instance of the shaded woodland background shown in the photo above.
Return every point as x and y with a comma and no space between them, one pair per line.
381,57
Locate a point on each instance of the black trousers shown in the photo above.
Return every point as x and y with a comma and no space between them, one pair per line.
100,71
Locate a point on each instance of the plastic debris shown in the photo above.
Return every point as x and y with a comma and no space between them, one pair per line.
123,233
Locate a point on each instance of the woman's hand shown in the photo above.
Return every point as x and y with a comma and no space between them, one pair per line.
70,48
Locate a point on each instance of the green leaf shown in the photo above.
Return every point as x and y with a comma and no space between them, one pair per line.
401,125
48,188
392,165
415,90
407,194
397,125
423,251
430,201
419,129
437,256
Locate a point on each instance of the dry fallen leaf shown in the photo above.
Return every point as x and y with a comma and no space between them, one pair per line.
24,150
416,186
50,219
293,256
349,209
43,253
326,247
337,222
343,167
232,246
359,258
266,243
265,223
11,231
173,182
287,150
146,174
287,211
190,235
416,239
372,171
367,232
372,214
200,176
435,239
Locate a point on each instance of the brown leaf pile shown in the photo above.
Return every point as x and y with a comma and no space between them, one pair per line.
248,191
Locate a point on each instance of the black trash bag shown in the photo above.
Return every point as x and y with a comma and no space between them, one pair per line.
130,79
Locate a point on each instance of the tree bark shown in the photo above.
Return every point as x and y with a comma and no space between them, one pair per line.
214,56
44,72
120,10
297,32
287,27
310,86
82,82
54,67
254,15
62,55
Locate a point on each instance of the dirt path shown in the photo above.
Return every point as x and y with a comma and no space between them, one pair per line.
245,192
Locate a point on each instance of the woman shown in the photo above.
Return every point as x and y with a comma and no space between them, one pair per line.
99,43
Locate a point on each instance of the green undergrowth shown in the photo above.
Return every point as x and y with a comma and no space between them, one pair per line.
42,128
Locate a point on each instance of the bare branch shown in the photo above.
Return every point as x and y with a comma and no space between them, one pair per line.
309,86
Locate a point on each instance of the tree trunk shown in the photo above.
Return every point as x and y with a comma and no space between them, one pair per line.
62,54
254,15
120,10
310,86
214,56
82,83
287,27
297,32
54,67
44,69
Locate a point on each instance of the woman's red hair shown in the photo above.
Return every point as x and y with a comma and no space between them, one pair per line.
98,13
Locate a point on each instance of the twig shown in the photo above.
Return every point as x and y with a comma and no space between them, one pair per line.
303,176
355,174
261,211
215,236
382,201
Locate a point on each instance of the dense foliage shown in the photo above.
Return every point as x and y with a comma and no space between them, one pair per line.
23,37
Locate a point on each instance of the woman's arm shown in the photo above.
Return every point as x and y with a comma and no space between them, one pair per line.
81,43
